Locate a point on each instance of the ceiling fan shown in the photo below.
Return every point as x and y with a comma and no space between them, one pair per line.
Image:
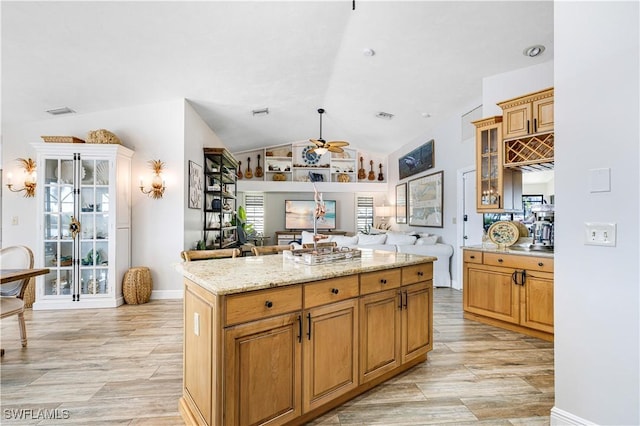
323,146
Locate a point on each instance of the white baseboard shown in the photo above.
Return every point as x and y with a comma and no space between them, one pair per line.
561,418
167,294
456,285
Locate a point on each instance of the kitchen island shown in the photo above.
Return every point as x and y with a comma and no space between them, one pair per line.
271,341
510,288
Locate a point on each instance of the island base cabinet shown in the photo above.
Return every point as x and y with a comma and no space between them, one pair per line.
417,309
263,365
330,353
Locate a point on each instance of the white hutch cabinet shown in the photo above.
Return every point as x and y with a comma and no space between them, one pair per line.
84,224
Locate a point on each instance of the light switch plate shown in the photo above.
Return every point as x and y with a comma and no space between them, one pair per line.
600,180
600,234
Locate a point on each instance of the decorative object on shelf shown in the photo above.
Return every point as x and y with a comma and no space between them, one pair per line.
74,227
259,172
137,285
323,146
362,172
279,177
372,174
91,257
401,203
248,173
29,187
102,136
504,233
418,160
65,172
157,183
102,173
61,139
310,156
425,201
240,175
380,175
344,178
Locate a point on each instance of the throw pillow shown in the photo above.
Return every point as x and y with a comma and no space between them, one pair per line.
343,240
367,240
427,240
400,239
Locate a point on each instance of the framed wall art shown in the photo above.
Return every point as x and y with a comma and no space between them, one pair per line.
425,200
401,203
417,161
195,185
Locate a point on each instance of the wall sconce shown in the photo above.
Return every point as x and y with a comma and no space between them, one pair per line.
157,183
29,167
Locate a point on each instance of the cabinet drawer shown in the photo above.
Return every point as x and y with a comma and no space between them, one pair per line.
373,282
417,273
260,304
532,263
331,290
472,256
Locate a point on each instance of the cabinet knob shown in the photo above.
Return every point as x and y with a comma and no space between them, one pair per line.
335,291
500,260
540,264
383,281
268,304
420,273
472,257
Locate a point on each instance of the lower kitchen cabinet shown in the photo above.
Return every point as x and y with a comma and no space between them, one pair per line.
511,291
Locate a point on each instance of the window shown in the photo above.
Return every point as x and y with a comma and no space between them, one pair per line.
364,210
254,206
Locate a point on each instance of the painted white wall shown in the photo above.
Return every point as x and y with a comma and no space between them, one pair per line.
597,124
153,131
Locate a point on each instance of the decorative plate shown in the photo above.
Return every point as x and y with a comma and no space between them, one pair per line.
65,173
310,157
504,233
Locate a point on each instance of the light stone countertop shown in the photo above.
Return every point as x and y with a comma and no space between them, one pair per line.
229,276
520,250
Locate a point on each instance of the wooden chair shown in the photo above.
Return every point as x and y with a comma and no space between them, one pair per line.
12,293
320,245
262,250
190,255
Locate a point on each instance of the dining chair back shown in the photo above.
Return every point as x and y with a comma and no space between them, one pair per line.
191,255
262,250
12,293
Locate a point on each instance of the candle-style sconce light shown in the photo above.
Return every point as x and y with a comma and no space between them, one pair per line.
29,167
157,183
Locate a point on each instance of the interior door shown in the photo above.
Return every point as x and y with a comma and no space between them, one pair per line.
472,220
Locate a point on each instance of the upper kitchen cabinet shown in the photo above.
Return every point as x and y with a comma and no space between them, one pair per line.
498,188
528,115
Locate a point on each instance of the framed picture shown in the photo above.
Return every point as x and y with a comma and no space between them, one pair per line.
417,161
195,185
401,203
425,201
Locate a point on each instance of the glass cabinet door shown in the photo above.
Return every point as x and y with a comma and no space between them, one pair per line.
489,173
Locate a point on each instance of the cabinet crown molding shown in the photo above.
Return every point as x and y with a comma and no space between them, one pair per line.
530,97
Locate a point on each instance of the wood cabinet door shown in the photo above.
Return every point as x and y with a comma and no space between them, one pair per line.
536,307
379,334
543,115
330,350
517,121
417,317
489,165
198,356
263,371
489,291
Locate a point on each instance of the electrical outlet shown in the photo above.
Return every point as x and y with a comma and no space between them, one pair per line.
196,323
600,234
14,220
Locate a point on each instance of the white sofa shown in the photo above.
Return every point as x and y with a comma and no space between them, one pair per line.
423,244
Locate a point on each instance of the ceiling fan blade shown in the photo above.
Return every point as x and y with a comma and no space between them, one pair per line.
319,143
338,143
333,148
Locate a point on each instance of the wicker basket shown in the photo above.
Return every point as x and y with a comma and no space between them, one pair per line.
30,293
137,285
61,139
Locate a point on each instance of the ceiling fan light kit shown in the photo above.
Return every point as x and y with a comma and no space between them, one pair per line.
322,146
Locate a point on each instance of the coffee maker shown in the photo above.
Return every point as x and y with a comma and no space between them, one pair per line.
542,229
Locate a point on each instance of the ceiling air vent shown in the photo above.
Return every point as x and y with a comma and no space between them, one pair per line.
384,115
263,111
61,111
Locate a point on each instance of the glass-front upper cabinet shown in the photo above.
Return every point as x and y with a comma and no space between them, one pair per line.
85,225
489,163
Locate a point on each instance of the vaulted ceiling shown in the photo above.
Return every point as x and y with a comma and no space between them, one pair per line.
292,57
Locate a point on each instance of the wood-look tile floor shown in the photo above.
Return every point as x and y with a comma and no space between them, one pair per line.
124,367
